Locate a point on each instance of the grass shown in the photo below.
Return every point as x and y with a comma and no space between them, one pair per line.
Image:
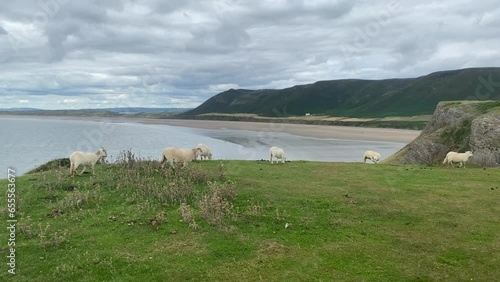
346,222
458,137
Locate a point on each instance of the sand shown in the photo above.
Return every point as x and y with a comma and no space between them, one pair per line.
317,131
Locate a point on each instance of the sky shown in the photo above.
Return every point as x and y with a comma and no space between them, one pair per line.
69,54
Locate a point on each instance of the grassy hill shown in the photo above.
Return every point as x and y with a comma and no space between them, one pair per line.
346,222
358,98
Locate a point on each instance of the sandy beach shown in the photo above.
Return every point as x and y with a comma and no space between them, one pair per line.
317,131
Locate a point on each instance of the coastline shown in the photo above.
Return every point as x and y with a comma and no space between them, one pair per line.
307,130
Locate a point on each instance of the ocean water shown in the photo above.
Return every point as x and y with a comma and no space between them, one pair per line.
30,142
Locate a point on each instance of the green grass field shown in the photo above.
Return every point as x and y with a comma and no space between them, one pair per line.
207,222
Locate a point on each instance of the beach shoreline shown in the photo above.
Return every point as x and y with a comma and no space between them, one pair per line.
307,130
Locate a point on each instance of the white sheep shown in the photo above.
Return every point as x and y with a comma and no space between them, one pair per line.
205,152
172,155
371,155
79,158
454,157
277,153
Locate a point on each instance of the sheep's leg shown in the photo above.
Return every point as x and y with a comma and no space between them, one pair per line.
84,167
162,162
92,168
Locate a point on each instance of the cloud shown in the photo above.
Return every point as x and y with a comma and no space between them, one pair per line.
180,53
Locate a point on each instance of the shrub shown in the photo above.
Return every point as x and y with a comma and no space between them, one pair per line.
76,199
51,165
215,207
25,227
55,239
226,190
126,157
187,216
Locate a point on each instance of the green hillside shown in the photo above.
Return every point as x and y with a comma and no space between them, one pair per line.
359,98
252,221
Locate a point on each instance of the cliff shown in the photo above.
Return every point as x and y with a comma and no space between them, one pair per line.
456,126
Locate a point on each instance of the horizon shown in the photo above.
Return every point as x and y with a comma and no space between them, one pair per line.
83,109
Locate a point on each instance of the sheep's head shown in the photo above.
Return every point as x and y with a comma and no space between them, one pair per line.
469,154
197,151
103,152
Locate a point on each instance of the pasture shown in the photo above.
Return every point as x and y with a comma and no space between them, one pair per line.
252,221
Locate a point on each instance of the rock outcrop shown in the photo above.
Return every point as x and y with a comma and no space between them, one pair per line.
456,126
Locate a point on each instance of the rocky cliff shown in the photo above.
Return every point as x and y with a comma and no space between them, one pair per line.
456,126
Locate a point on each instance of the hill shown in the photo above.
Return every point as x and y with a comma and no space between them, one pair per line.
359,98
457,126
248,221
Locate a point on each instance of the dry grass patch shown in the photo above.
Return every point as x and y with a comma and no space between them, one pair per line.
187,246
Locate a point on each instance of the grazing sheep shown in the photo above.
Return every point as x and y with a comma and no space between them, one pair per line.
371,155
205,152
277,153
172,155
454,157
78,158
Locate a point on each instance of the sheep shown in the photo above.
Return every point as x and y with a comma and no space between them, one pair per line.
454,157
79,158
172,155
277,153
371,155
205,152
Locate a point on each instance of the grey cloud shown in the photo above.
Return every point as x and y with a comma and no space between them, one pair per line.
223,39
165,52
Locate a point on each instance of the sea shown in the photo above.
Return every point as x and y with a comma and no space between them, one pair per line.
30,142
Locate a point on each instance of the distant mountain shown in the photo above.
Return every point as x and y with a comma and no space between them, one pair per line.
360,98
17,109
136,111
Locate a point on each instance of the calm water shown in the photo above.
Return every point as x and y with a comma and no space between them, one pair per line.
29,142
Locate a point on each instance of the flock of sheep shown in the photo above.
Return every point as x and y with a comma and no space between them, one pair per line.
177,155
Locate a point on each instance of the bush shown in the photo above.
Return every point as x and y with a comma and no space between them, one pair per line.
215,206
187,216
51,165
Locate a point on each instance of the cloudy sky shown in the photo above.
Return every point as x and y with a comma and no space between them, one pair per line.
57,54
